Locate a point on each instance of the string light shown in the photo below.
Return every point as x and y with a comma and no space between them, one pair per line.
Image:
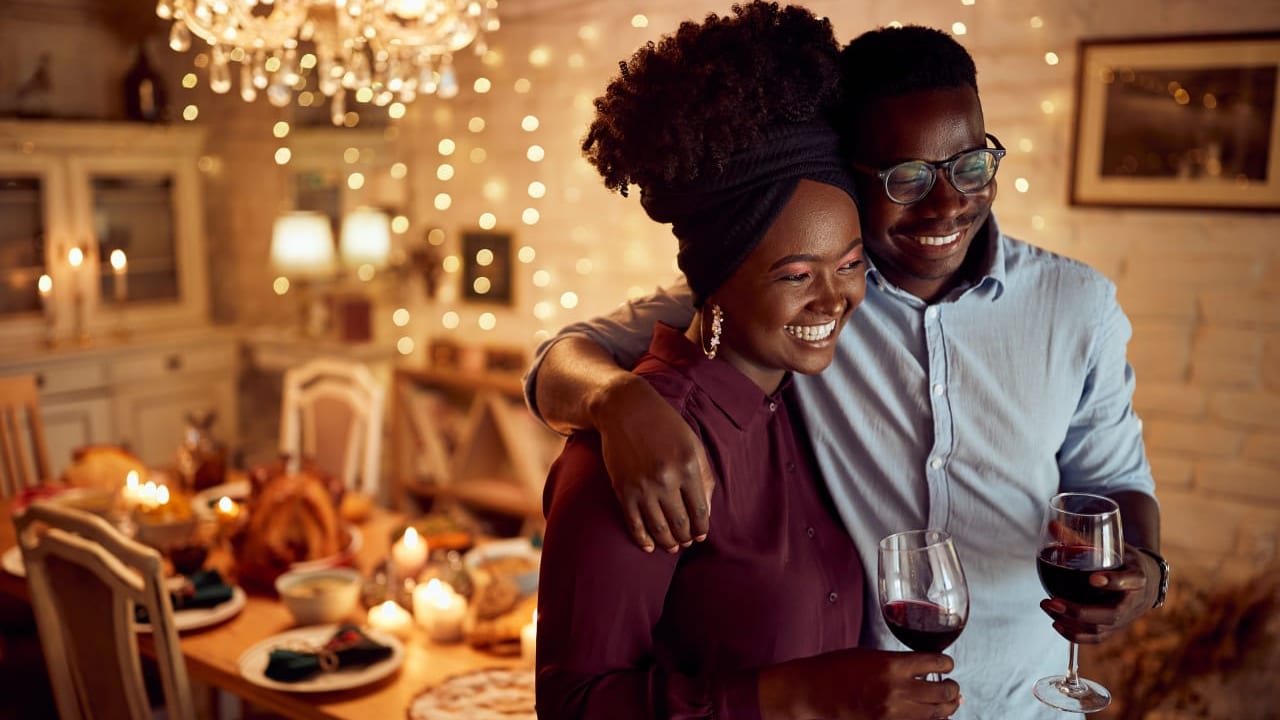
450,320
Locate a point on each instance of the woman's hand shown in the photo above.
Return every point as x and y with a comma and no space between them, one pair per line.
859,684
657,464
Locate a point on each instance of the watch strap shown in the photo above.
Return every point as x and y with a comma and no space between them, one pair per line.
1163,564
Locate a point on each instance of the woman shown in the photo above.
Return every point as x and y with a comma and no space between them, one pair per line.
723,126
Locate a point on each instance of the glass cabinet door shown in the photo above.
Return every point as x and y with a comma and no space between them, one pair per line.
22,243
133,216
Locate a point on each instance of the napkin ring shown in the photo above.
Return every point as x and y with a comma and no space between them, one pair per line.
328,660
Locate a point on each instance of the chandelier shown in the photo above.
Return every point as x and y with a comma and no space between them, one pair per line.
377,50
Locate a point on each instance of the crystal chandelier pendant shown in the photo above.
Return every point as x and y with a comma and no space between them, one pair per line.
380,50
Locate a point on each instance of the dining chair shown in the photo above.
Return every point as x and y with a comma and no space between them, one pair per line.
332,413
24,456
85,579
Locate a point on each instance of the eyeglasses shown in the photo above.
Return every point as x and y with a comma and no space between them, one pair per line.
969,172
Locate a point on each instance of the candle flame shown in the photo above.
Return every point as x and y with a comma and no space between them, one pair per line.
388,609
131,480
162,495
224,504
75,256
45,284
411,538
118,260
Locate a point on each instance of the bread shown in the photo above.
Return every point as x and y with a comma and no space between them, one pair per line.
292,517
102,467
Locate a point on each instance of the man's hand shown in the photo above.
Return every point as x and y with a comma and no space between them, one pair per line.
657,464
1138,582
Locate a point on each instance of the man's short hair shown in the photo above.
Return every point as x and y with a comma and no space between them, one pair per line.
894,61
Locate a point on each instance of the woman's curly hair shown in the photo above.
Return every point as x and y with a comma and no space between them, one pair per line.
683,106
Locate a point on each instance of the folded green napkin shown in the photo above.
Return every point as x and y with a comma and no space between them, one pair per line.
348,648
204,589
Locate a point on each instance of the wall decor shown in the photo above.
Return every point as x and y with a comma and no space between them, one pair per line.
1178,122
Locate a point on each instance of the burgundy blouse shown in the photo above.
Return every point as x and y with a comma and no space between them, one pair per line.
626,634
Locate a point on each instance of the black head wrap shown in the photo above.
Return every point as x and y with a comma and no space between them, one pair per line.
719,220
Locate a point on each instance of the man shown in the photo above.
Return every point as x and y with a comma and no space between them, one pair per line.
980,376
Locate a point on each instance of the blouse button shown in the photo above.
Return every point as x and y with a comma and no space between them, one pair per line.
832,597
773,406
810,532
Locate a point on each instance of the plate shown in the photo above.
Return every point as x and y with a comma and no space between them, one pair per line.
497,693
202,503
11,561
196,618
253,663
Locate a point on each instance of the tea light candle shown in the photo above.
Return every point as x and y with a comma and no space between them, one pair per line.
529,641
227,512
45,286
131,493
439,610
409,554
391,618
119,271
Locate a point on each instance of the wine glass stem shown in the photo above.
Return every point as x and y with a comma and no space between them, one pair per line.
1073,674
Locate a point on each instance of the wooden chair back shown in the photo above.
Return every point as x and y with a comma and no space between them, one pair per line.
24,456
332,412
85,578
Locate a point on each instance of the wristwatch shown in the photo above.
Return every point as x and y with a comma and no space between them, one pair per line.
1164,575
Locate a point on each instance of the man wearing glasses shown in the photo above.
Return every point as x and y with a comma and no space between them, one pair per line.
979,377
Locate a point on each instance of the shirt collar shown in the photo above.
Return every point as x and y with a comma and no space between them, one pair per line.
993,271
740,399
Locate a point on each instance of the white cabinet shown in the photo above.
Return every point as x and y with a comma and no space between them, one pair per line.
136,393
71,194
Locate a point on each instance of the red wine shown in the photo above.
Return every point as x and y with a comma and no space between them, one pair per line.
1065,570
923,626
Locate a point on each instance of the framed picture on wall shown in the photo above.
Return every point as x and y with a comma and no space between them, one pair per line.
486,267
1178,122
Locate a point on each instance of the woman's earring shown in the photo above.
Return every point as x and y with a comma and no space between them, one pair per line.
717,325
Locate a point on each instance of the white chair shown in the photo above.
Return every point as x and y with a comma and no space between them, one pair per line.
85,578
332,413
22,444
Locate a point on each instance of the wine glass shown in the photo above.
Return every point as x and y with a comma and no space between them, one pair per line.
923,594
1081,535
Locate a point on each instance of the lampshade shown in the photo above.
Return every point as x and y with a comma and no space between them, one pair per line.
366,238
302,245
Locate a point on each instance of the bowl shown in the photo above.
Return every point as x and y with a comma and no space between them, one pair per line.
515,558
317,597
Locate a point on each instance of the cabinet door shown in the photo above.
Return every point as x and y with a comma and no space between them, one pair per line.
151,419
72,424
33,232
148,208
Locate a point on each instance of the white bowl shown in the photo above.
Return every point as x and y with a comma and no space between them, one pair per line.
515,547
316,597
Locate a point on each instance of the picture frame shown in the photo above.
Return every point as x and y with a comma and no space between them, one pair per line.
1178,122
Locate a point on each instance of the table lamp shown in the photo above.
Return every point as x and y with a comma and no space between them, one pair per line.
302,250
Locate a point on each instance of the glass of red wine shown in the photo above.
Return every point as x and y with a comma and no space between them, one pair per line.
923,594
1081,535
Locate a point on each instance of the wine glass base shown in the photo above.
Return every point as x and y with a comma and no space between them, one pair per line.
1086,697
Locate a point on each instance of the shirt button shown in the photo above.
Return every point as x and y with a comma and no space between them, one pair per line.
931,313
773,406
810,532
831,597
935,463
938,389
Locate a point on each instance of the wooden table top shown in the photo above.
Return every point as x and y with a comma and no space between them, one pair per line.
212,653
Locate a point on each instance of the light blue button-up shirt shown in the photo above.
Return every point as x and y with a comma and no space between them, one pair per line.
967,414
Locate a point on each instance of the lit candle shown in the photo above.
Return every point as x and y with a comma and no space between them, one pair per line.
75,257
391,618
227,512
409,554
45,286
529,641
439,610
119,270
132,490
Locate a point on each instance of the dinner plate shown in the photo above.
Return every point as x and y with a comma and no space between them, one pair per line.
253,662
197,618
11,561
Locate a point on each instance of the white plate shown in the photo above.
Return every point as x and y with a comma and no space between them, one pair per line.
253,662
196,618
11,561
202,502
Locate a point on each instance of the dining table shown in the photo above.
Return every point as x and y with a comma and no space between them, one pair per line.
212,653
